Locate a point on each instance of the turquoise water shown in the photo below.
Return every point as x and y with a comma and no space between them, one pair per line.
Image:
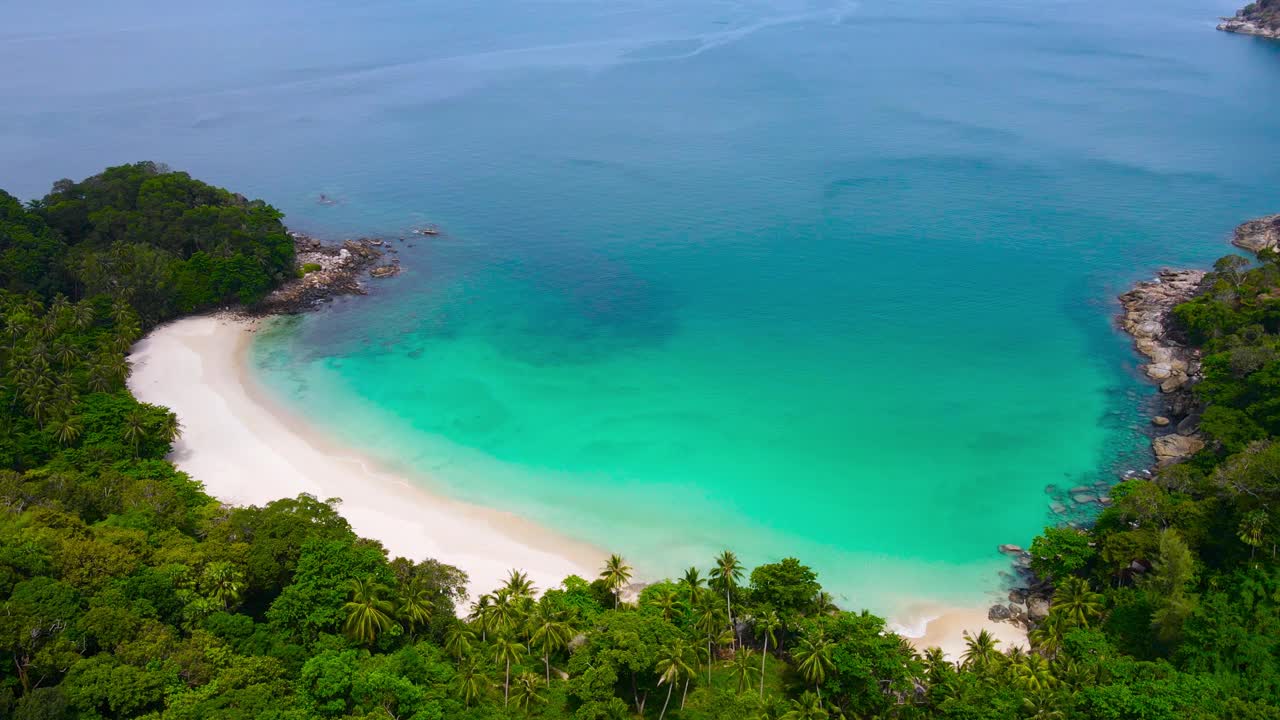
826,279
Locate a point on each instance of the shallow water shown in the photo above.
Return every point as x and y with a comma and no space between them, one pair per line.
826,279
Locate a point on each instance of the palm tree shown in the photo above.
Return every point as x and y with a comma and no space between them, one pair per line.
1252,527
480,615
170,428
135,429
1033,673
1042,706
469,681
744,668
823,603
807,707
673,664
550,633
67,429
936,664
813,659
415,606
457,642
82,316
616,574
767,626
224,583
980,649
1047,638
519,586
525,691
693,580
367,612
1077,602
507,650
504,614
708,622
667,601
727,573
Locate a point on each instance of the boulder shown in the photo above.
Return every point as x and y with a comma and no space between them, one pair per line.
1037,608
999,613
1084,498
1018,595
1008,549
1173,448
1188,425
1160,421
1058,507
1263,233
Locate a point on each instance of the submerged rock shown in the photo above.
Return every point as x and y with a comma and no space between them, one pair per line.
1008,549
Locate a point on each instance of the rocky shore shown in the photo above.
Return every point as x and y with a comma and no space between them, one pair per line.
1173,365
328,271
1258,235
1245,25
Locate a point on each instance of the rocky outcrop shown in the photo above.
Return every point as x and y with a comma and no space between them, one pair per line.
1245,26
329,271
1173,364
1258,235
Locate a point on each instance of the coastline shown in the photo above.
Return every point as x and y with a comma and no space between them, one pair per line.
246,449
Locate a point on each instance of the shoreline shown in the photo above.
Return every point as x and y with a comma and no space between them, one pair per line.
247,449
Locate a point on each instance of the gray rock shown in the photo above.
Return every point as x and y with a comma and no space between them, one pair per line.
1263,233
1037,608
1188,425
1174,448
1008,549
1160,421
1058,507
1084,498
998,613
1018,595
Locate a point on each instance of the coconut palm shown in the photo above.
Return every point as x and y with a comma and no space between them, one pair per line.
224,583
519,586
170,428
692,579
807,707
135,429
937,666
823,603
709,621
767,626
980,649
726,573
469,682
368,612
1251,530
67,429
506,651
457,642
550,632
1033,673
82,316
524,691
1042,706
813,659
667,601
1078,604
616,574
744,668
479,615
1047,638
504,614
673,664
415,605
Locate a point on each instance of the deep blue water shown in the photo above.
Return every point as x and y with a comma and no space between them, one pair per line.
820,278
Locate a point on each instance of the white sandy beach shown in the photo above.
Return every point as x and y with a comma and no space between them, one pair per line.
247,450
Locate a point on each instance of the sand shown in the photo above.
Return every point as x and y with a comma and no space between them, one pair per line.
246,449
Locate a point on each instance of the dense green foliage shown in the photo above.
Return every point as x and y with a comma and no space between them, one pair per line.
128,592
166,243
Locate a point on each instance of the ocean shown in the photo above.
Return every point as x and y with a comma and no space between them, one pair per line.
832,280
